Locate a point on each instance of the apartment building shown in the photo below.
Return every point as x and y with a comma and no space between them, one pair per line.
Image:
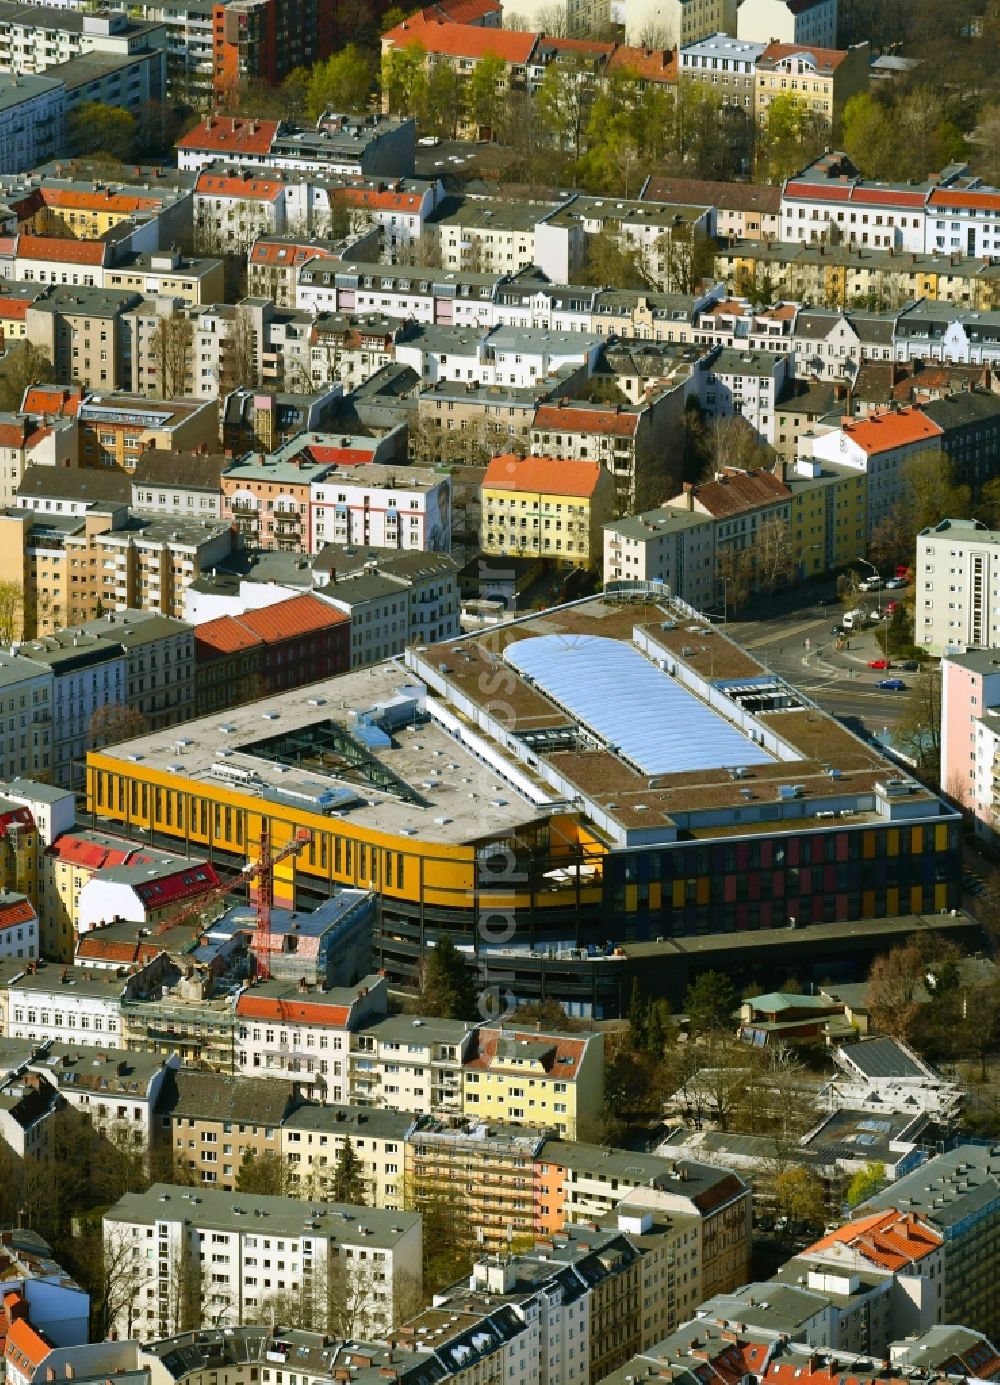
84,332
740,211
159,663
970,424
211,1124
32,121
262,41
543,507
748,384
620,438
825,79
551,1080
19,933
789,21
725,64
285,645
489,1160
397,600
880,446
27,704
312,1140
675,547
116,429
351,145
179,483
970,733
957,587
683,21
118,1093
576,1183
89,675
71,1005
378,505
150,563
27,442
233,207
267,498
256,1250
957,1195
741,503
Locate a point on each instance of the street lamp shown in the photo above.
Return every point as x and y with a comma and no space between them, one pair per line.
725,599
878,593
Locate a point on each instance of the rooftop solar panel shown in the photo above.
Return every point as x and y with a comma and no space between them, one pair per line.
636,708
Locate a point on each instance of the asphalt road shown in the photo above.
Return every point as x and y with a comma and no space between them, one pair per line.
797,641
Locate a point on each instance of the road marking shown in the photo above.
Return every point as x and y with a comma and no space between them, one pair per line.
787,632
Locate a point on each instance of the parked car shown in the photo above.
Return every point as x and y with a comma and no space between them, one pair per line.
870,584
895,584
911,666
891,685
837,630
891,608
880,663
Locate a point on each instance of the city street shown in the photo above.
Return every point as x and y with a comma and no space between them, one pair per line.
797,641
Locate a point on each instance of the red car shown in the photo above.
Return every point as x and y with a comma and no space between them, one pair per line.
879,663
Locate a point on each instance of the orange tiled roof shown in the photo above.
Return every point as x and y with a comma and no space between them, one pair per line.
26,1348
733,492
272,252
224,635
462,40
383,201
570,420
650,64
890,1239
52,399
61,250
299,615
463,11
959,197
265,187
542,475
91,200
230,134
883,432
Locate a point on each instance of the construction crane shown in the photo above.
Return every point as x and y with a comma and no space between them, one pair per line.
261,870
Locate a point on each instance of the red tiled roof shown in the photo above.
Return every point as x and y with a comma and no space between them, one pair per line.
824,58
299,615
61,250
589,47
542,475
291,1010
649,64
15,911
92,947
570,420
883,432
274,253
91,855
224,635
734,492
186,883
14,434
14,309
92,200
383,201
958,197
890,1239
230,134
52,399
461,40
341,456
21,816
265,187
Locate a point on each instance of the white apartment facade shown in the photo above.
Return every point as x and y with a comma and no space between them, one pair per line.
812,22
32,120
381,506
26,712
957,587
237,1255
880,446
18,929
675,547
747,384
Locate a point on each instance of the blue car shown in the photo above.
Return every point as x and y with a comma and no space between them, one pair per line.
891,685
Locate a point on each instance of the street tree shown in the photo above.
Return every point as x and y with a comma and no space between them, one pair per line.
918,732
865,1183
115,722
484,96
342,83
11,612
263,1174
96,128
172,345
799,1194
24,364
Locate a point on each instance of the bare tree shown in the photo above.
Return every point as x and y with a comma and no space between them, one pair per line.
773,554
239,357
122,1277
116,722
173,340
11,612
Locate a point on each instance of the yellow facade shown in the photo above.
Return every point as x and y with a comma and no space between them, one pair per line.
57,573
830,276
215,817
523,524
517,1090
828,520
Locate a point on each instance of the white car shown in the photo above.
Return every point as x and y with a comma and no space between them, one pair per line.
895,584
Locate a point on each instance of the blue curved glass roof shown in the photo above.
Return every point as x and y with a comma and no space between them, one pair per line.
637,709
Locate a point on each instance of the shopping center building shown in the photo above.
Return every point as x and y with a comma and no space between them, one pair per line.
552,792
